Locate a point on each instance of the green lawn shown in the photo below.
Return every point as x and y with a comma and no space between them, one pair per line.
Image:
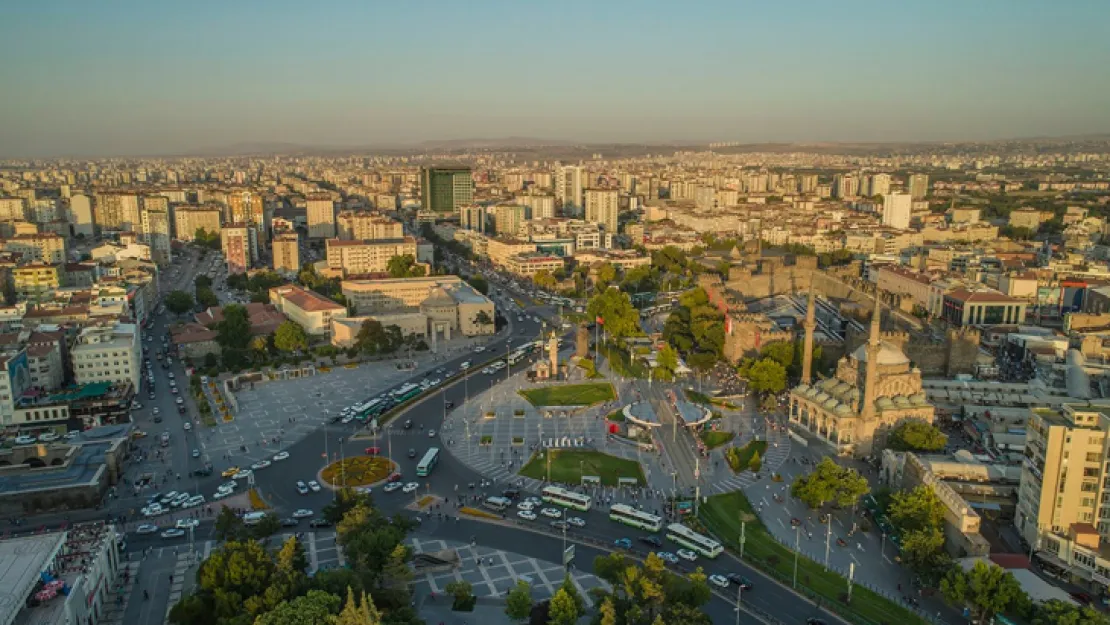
622,364
713,439
696,397
722,516
569,465
570,394
743,456
617,415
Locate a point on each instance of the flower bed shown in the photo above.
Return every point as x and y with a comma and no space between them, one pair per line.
518,440
475,512
486,440
357,471
257,502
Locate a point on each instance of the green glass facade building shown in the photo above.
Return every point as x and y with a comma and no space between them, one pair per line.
445,189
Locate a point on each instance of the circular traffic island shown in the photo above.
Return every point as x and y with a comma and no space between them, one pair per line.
357,471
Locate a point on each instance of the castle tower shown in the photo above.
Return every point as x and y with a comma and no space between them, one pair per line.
553,351
807,347
874,347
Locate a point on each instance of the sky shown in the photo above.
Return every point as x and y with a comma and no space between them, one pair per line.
119,77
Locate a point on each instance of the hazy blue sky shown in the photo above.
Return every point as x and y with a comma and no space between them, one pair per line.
123,77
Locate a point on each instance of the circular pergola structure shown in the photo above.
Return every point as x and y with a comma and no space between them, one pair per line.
642,414
693,414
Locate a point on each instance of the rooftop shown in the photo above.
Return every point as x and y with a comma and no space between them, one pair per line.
305,300
22,560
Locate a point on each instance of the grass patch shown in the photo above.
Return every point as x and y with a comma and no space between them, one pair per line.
740,458
485,440
590,368
208,420
617,415
518,440
257,502
569,465
570,394
696,397
714,440
722,515
622,364
357,471
475,512
426,500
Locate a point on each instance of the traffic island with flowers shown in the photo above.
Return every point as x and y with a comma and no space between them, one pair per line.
357,471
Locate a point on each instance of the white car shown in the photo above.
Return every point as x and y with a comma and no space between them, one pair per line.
261,464
179,401
302,513
552,513
179,500
479,349
24,440
146,528
465,365
302,488
168,497
667,557
577,521
526,506
686,554
136,405
194,501
221,494
173,533
527,515
153,510
281,455
188,426
48,437
170,375
431,433
393,487
535,501
314,486
242,475
185,524
719,580
196,453
410,487
232,485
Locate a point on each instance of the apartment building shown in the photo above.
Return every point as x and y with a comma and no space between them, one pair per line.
367,226
918,186
240,247
108,353
982,308
37,282
311,311
897,208
80,215
509,219
13,209
48,248
529,264
500,249
365,257
118,211
542,206
473,217
156,234
189,219
320,212
603,206
908,283
446,189
287,253
621,259
569,183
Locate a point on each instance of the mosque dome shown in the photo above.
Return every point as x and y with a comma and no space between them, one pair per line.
888,354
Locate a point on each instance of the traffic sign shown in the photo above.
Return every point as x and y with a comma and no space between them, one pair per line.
568,555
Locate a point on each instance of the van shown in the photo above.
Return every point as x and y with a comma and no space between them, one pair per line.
253,518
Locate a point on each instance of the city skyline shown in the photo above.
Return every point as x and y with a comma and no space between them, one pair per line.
136,79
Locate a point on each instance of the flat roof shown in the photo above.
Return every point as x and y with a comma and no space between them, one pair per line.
22,560
84,469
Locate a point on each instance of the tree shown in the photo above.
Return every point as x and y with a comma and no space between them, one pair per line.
986,589
290,337
362,612
608,612
374,338
1057,612
917,509
228,525
266,526
563,610
916,435
179,302
207,297
618,317
404,266
572,592
259,348
396,573
202,281
829,482
604,275
207,240
234,331
518,603
291,557
479,283
755,463
780,352
315,608
345,500
767,376
923,551
544,280
482,319
667,363
462,592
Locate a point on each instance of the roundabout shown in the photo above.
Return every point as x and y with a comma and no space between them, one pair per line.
357,471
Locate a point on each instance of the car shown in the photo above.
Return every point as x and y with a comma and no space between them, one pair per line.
373,451
559,525
535,501
392,487
408,424
179,401
281,455
412,453
302,488
313,486
242,475
196,453
173,533
155,410
577,521
526,505
719,580
231,485
179,500
136,405
651,540
221,494
319,523
740,581
261,464
157,419
173,390
203,472
185,524
465,365
168,497
151,396
449,405
230,472
687,555
173,384
431,433
71,435
146,528
153,510
527,515
347,419
24,440
479,349
302,513
170,375
181,407
410,487
188,426
394,477
488,370
667,557
287,522
552,513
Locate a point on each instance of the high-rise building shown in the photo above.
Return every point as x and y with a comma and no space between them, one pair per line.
366,257
321,216
108,354
602,207
508,219
877,184
846,186
245,206
568,188
239,246
918,186
189,219
286,253
13,209
473,217
81,215
807,183
543,206
897,208
156,234
367,226
119,212
445,189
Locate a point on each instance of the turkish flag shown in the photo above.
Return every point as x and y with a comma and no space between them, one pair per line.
600,321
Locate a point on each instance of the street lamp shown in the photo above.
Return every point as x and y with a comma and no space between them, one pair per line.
739,596
797,533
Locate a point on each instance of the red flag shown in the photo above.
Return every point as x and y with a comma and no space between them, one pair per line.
600,321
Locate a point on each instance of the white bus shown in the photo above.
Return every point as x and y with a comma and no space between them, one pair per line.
407,388
692,540
515,357
566,498
622,513
428,462
497,503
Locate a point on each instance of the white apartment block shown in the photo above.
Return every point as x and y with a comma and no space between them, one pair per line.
287,253
108,354
189,219
80,215
897,208
47,248
366,226
13,209
320,212
364,257
602,207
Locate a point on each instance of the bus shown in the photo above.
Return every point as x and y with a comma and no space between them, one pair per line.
410,394
515,357
497,503
428,462
367,410
407,388
622,513
566,498
690,539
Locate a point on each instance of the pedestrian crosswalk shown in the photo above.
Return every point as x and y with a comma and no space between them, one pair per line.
778,450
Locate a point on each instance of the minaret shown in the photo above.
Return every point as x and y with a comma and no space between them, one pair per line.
807,347
874,346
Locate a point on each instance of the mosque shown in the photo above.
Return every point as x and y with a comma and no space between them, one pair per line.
874,389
